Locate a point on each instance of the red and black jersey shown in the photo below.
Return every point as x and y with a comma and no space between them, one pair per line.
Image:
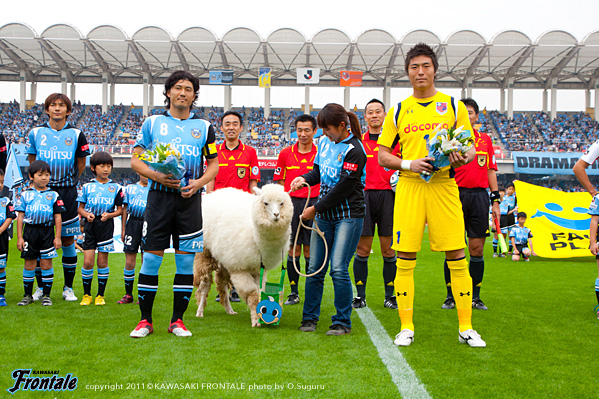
236,167
377,177
291,164
474,174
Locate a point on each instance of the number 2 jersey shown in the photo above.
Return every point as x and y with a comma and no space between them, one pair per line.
415,119
193,137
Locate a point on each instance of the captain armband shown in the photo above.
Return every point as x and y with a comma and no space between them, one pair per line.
495,197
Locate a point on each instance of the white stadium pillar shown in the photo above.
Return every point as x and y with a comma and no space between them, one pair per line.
73,92
510,99
104,93
387,93
112,93
502,100
23,91
469,87
266,102
463,93
587,99
545,101
228,90
307,100
146,79
63,82
346,98
553,98
151,100
33,91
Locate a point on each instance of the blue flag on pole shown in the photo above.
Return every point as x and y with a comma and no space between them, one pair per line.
12,175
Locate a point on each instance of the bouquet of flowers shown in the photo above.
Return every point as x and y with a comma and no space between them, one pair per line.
442,143
165,158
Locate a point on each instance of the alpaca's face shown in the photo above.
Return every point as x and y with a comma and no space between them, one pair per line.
273,208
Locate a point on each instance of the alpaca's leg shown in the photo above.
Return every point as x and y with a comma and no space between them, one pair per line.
222,285
247,288
202,280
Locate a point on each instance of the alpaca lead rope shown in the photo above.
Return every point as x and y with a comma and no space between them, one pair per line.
317,230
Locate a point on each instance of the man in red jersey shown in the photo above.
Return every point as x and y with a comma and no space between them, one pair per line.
238,163
295,161
379,199
473,180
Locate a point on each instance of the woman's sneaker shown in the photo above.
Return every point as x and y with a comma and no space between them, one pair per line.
338,329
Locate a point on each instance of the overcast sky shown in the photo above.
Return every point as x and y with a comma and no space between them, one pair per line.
578,17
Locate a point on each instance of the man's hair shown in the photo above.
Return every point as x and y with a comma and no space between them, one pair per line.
173,79
38,166
100,158
305,118
421,49
522,215
470,103
373,101
58,96
237,114
1,172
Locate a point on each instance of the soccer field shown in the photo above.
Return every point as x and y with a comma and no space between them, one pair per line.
540,331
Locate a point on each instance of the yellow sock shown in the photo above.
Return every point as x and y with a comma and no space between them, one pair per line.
461,287
404,291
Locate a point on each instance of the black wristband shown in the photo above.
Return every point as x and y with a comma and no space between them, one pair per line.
495,197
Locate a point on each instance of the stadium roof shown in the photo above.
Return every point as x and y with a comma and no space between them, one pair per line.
465,57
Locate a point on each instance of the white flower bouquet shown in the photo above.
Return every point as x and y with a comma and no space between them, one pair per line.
442,143
165,158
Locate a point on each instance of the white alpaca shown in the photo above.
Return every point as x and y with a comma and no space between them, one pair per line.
241,232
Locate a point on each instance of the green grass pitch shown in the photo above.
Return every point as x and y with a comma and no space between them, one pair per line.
540,330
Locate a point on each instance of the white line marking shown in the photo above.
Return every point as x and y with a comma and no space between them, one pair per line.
403,376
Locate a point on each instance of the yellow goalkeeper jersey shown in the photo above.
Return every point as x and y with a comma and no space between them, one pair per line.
414,120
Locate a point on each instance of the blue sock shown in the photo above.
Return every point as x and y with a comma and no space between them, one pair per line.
69,264
2,283
597,289
129,279
147,284
182,285
102,279
28,279
47,280
87,276
495,242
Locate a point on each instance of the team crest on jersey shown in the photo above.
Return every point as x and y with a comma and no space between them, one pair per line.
278,171
339,158
4,201
481,159
241,172
68,140
112,188
49,196
441,108
196,133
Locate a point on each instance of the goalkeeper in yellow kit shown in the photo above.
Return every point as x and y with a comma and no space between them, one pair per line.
436,203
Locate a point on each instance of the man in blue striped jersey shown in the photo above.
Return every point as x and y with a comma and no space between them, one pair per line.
173,211
64,148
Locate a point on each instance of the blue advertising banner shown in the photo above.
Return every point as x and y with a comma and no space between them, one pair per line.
221,78
549,163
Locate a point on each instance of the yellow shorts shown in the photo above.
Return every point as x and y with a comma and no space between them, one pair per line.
436,203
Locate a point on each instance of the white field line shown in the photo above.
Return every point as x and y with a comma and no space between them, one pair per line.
403,376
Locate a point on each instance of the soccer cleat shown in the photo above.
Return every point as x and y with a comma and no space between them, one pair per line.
495,254
2,301
501,255
178,328
37,294
46,301
68,294
308,326
126,299
143,329
292,299
217,298
358,303
449,303
391,303
472,338
27,300
526,259
234,297
100,301
338,329
87,300
404,338
478,304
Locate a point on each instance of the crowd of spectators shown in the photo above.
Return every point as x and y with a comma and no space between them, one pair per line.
517,134
563,134
100,128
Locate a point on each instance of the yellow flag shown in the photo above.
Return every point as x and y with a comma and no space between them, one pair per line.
558,221
264,77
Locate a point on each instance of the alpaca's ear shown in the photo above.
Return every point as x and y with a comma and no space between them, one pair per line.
257,191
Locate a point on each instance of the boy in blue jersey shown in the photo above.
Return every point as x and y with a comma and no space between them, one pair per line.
508,207
134,206
39,210
64,147
173,211
99,203
7,214
521,239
